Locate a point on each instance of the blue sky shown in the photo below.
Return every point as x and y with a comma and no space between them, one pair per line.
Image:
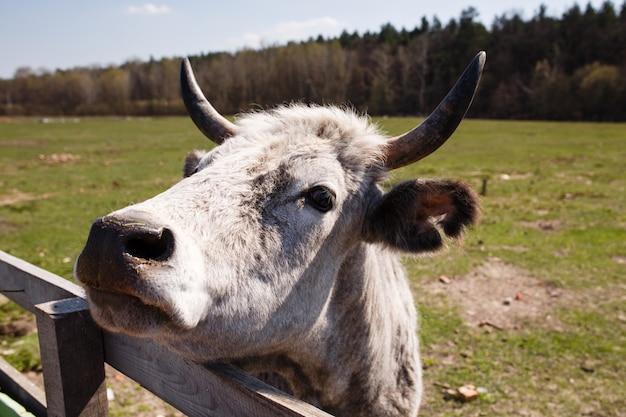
44,34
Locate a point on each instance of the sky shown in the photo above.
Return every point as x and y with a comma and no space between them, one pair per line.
63,34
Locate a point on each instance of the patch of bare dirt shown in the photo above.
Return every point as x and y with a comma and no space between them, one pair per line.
544,225
501,296
620,259
17,196
20,327
59,158
518,176
22,143
5,227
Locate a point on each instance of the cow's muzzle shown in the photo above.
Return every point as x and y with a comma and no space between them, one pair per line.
116,251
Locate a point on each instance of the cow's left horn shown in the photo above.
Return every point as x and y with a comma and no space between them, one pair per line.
214,126
439,126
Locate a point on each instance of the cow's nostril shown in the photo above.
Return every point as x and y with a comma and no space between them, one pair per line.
154,244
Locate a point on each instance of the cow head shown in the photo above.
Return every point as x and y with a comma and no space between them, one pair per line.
241,256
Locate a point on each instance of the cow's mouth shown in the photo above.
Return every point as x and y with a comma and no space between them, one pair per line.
121,312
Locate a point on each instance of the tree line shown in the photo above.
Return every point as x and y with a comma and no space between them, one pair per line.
567,68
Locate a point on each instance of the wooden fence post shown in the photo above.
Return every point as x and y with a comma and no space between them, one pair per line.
72,358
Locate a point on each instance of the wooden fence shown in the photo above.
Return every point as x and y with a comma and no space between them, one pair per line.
74,350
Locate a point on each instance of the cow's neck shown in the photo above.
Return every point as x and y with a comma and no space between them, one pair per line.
362,358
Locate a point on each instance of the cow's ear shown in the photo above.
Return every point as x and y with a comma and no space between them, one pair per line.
411,216
191,162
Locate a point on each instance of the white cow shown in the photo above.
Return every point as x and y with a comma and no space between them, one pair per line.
278,251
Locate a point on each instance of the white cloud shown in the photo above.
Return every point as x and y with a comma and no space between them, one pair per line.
288,31
148,9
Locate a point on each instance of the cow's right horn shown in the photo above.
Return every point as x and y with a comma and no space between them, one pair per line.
214,126
439,126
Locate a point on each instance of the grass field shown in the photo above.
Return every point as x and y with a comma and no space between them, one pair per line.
535,309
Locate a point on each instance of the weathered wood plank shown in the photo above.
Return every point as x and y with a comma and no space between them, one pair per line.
28,285
21,389
72,359
260,391
196,390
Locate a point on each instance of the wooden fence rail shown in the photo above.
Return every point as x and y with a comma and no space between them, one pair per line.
74,350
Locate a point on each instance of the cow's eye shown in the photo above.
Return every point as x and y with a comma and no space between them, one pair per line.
321,198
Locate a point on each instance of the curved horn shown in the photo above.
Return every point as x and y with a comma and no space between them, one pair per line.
439,126
207,119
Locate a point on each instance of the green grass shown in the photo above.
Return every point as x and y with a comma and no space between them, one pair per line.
572,176
568,175
118,162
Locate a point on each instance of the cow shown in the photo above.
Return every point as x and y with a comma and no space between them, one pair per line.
278,252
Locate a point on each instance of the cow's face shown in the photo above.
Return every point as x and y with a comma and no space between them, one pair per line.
241,256
248,244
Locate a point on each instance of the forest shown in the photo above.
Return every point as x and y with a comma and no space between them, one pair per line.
571,67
